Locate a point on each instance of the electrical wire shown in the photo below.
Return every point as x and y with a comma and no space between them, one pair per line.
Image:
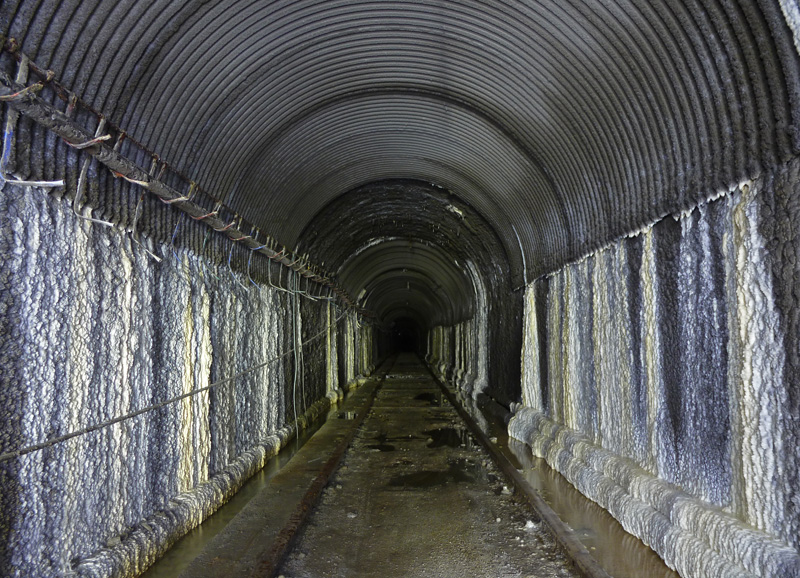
59,439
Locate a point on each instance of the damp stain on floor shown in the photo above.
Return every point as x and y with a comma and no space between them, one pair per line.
416,496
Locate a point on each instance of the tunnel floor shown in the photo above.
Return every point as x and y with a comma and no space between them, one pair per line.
417,496
393,484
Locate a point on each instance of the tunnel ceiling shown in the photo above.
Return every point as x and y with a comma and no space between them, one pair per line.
563,123
408,249
404,278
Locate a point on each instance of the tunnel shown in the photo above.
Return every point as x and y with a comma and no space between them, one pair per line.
218,218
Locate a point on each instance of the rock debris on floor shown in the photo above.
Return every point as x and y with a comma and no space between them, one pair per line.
417,496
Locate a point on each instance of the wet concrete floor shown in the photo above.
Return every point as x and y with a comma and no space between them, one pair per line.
180,556
619,553
414,474
416,496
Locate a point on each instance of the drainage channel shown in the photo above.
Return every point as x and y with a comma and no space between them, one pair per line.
190,546
596,542
618,553
254,542
396,484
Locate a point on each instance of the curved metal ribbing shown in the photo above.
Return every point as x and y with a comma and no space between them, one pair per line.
569,122
434,155
408,241
416,253
425,281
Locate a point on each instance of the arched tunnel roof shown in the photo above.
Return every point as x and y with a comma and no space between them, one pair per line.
409,249
404,278
563,124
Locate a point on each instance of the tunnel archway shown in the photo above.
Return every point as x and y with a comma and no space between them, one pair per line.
606,189
406,335
440,261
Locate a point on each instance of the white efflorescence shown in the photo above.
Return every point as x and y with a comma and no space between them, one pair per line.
459,352
331,352
757,403
661,390
791,11
650,348
694,538
349,345
531,375
100,329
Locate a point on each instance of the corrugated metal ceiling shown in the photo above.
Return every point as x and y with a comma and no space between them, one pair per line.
566,123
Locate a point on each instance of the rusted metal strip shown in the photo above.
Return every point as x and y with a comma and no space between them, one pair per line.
274,556
564,536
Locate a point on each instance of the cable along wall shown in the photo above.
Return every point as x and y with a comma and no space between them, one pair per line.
660,376
94,328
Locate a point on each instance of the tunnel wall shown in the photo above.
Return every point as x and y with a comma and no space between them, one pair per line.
660,376
453,355
93,328
358,352
459,353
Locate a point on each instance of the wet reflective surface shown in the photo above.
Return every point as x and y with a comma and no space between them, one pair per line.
187,548
431,398
450,437
433,506
417,496
460,470
618,552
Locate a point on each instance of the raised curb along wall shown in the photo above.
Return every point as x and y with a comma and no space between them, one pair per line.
93,328
661,376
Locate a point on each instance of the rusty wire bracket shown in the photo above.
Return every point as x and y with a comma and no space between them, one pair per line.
23,99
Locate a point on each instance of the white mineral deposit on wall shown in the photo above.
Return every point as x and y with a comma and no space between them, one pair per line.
669,410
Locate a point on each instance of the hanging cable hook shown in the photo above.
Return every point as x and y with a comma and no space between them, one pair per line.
8,137
28,90
80,189
203,252
307,292
243,237
230,270
89,143
175,234
250,256
187,197
211,214
135,233
269,278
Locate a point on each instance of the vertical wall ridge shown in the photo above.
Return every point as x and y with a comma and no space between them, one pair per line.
699,307
97,330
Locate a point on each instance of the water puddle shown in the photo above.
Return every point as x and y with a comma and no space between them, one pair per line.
381,446
620,553
431,398
457,472
450,437
189,547
346,415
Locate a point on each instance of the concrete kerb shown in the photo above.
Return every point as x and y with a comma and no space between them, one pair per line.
254,543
